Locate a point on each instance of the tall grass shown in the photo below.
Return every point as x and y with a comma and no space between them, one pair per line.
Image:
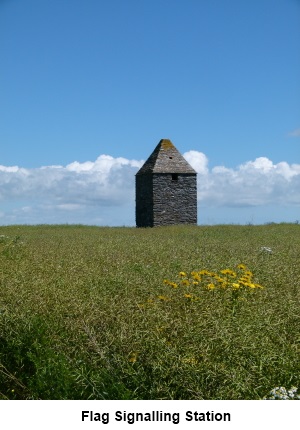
85,313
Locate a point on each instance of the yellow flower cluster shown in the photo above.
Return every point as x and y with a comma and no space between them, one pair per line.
226,279
172,284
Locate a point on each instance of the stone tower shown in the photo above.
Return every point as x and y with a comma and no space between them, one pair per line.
166,189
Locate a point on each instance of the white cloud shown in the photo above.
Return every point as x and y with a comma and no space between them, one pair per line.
106,179
262,164
197,160
254,183
102,191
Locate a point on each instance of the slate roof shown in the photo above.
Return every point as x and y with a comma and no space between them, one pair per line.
166,159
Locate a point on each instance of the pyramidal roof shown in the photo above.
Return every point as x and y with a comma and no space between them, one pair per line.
166,159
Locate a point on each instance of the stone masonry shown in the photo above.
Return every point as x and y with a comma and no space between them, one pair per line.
166,189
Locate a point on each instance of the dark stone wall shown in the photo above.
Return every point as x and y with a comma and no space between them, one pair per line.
144,200
174,199
166,199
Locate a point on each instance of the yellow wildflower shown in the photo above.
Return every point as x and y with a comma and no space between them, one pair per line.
185,282
195,283
229,272
133,357
204,272
172,284
244,280
164,298
219,279
241,266
188,296
182,274
235,286
211,286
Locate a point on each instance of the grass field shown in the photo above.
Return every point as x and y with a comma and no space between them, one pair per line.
104,313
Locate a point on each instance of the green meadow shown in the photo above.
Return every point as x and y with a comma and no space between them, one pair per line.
183,312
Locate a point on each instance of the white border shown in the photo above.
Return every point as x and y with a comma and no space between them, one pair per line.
67,414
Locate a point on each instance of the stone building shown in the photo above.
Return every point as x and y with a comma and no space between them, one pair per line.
166,189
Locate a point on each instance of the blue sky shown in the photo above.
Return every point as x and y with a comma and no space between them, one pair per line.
91,87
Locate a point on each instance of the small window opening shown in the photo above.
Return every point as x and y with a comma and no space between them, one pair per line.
174,176
170,158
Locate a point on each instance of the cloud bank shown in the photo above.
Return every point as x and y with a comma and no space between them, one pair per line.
102,192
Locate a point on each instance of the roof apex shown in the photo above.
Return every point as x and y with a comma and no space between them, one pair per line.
166,159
